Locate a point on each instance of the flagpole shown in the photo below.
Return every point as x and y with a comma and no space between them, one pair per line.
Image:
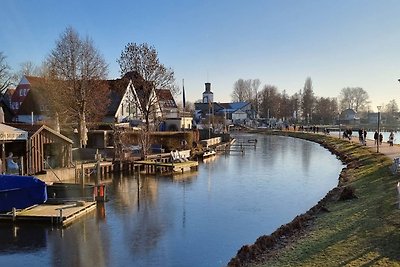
184,98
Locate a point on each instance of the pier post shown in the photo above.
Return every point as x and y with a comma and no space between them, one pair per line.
14,214
98,168
82,176
61,216
398,194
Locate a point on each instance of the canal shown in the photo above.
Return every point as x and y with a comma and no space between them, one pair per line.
194,219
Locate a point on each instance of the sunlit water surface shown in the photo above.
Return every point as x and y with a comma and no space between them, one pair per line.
196,219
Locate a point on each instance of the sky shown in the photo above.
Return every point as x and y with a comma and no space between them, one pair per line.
338,44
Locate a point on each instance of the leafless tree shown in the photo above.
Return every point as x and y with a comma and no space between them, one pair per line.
269,102
143,59
5,75
353,97
77,73
28,68
242,91
326,110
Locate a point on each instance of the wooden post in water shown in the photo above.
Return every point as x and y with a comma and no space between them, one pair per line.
98,169
398,194
82,177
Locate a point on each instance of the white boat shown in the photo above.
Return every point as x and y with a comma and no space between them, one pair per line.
208,153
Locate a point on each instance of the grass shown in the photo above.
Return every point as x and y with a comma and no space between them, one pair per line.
364,231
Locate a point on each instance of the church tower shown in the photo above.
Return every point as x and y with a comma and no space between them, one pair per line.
208,96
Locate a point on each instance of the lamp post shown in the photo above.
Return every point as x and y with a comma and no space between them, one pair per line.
379,121
339,123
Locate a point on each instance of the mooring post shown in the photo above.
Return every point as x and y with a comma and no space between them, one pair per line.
82,176
14,214
398,194
98,168
61,216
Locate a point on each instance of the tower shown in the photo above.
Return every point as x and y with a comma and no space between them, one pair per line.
208,96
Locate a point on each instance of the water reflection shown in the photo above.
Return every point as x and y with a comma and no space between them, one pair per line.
19,237
192,219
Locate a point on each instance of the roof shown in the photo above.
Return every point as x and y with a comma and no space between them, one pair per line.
117,90
37,128
9,133
142,87
204,107
166,99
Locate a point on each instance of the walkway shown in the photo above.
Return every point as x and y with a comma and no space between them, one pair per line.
390,151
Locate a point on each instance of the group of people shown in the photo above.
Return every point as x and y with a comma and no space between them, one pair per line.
379,138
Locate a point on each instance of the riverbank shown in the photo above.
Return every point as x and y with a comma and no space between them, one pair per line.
356,223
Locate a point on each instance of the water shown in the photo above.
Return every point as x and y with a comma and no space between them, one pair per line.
197,219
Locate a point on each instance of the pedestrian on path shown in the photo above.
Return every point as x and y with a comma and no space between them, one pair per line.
376,137
391,138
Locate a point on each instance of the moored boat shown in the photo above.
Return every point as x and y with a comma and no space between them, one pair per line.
20,192
208,153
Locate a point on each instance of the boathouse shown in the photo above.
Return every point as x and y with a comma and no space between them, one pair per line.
46,149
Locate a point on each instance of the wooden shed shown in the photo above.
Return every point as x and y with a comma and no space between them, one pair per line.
46,149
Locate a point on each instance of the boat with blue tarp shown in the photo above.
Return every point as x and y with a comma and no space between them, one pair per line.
20,192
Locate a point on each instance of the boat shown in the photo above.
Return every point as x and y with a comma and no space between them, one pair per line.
209,152
20,192
64,192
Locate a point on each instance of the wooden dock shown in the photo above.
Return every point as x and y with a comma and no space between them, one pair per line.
180,167
60,214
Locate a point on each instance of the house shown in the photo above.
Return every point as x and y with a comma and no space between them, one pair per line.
349,116
28,102
132,97
22,90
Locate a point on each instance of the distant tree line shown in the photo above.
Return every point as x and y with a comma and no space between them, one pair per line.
303,106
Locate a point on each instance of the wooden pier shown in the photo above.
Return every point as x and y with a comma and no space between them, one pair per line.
170,167
60,214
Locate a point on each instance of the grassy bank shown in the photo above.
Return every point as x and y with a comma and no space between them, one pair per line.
362,231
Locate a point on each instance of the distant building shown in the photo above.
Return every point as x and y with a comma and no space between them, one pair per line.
349,116
235,112
208,96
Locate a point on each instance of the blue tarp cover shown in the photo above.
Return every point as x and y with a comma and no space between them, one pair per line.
21,192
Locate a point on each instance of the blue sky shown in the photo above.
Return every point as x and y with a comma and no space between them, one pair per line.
341,43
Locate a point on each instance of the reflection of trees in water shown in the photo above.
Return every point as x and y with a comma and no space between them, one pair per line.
145,217
81,244
274,149
306,155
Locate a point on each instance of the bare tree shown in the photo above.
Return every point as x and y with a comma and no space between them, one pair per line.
245,90
5,75
143,59
392,107
326,110
77,73
354,98
28,68
269,102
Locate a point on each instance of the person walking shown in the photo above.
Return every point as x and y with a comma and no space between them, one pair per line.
391,138
376,137
365,137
